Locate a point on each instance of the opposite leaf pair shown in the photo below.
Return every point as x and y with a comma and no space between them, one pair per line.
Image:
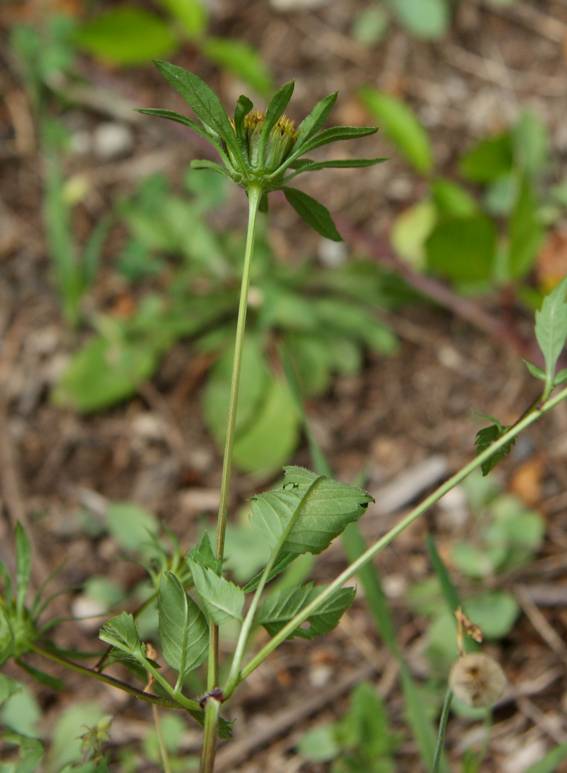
264,151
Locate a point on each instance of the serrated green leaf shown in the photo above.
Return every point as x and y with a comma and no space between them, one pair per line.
551,326
23,567
204,554
126,35
315,120
279,608
401,126
203,101
223,600
534,370
241,59
313,213
320,507
485,437
121,632
488,159
183,630
284,560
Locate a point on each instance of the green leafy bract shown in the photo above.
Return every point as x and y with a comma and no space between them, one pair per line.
320,507
281,607
222,599
313,212
551,327
183,630
316,118
202,99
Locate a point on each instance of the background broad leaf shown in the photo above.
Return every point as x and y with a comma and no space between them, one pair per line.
427,19
104,372
127,35
131,525
241,59
489,159
400,125
463,249
183,630
192,15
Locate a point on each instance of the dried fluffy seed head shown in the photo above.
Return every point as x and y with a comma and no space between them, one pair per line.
477,680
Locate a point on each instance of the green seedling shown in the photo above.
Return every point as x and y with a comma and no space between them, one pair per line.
197,601
477,240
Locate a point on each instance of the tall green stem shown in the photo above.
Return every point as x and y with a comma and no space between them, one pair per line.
389,537
254,196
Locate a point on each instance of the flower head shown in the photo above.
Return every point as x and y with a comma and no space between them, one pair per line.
263,150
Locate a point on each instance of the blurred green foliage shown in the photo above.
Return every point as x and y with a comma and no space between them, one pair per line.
361,740
326,315
131,34
487,235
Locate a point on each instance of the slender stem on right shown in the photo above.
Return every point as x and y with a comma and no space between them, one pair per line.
389,537
254,196
442,731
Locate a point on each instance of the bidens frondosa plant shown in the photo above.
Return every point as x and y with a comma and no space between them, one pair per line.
263,152
194,598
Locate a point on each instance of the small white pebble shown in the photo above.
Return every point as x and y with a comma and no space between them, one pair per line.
111,140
